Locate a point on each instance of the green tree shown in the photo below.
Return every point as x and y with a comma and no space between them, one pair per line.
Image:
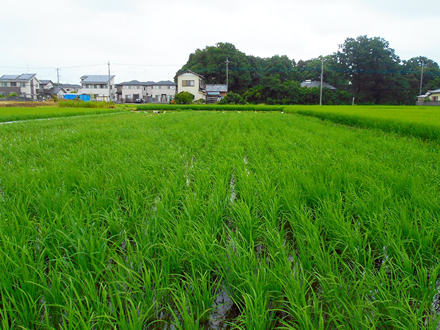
184,98
372,68
232,98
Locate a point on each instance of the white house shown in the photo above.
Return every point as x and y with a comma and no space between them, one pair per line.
150,91
98,87
24,85
193,83
131,91
162,91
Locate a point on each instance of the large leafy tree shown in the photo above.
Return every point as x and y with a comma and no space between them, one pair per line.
412,71
372,68
211,63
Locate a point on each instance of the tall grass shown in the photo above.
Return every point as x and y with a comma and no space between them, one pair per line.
209,107
202,219
422,122
18,113
90,104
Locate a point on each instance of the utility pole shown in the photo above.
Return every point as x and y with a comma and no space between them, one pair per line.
109,86
322,73
227,74
58,76
421,77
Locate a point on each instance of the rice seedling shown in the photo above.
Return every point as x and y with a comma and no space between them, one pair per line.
137,221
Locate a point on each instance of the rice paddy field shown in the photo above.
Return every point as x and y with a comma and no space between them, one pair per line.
212,220
29,113
419,121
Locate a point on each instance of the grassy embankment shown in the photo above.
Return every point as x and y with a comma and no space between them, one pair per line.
422,122
297,223
28,113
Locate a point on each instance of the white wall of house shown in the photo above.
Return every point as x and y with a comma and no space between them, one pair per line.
99,92
129,92
29,88
182,85
161,92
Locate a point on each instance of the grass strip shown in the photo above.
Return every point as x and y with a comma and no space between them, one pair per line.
210,107
17,114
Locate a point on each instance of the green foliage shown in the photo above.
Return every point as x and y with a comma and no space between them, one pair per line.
54,97
420,122
40,112
13,95
184,98
77,103
208,107
232,98
256,220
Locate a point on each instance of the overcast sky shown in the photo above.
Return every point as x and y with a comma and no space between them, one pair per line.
151,40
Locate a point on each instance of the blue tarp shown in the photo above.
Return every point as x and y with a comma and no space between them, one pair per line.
84,97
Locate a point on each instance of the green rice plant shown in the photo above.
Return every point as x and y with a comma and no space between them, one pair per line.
24,113
209,107
90,104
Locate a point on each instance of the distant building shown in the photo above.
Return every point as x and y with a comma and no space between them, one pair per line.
150,91
315,83
24,85
127,92
215,93
98,87
161,91
193,83
69,88
432,97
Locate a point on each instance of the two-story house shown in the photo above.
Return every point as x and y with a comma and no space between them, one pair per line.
97,87
131,91
24,85
161,91
193,83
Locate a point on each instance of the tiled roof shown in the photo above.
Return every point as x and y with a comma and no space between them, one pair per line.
189,71
165,83
45,82
22,77
315,83
216,88
96,79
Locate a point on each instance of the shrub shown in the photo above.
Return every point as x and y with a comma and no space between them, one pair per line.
184,98
13,95
232,98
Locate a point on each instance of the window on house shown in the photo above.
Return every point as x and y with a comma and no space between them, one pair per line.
171,87
104,86
4,84
23,85
187,83
136,87
13,84
88,86
435,98
156,87
127,87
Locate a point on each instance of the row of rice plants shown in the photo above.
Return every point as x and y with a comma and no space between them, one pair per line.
422,122
210,107
19,113
201,219
89,104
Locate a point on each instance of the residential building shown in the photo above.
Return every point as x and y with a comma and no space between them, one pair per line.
215,93
127,92
150,91
45,84
161,91
315,83
98,87
69,88
193,83
432,97
24,85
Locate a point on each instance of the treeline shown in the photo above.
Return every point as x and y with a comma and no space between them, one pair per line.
364,68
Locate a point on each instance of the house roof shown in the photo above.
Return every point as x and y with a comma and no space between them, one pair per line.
189,71
22,77
315,83
165,83
45,82
70,86
131,83
96,79
216,88
435,91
